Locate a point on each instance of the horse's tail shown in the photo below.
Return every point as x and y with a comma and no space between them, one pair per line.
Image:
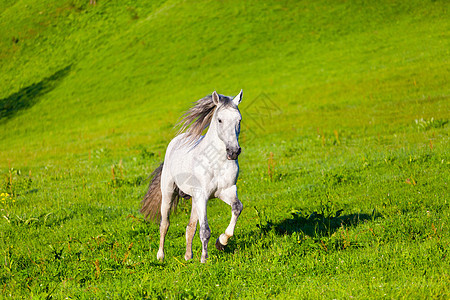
151,204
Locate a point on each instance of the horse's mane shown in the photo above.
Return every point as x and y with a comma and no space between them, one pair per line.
199,116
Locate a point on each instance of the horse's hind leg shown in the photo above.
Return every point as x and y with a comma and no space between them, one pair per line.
230,197
190,232
167,197
205,233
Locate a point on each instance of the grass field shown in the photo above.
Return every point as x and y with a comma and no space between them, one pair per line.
345,137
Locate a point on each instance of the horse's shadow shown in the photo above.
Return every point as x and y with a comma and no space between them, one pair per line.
315,225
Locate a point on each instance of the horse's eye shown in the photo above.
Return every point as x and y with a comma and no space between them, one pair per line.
220,121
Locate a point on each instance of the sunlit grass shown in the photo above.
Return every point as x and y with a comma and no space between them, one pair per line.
343,174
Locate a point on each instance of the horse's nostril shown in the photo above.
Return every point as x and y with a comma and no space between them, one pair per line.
239,151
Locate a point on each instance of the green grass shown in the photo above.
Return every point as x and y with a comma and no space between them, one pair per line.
345,164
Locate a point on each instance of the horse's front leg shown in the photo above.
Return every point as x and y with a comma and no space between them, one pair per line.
205,233
230,197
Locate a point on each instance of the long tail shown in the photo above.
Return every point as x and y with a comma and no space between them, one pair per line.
151,204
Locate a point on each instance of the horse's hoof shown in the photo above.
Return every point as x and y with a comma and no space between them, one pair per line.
219,245
188,256
160,255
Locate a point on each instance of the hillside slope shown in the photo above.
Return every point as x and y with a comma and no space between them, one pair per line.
73,72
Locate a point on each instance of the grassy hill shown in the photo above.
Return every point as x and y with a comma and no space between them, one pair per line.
121,64
344,171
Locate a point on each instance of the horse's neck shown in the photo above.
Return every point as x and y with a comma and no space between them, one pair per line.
211,138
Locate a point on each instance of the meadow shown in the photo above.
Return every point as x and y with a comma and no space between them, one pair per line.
345,139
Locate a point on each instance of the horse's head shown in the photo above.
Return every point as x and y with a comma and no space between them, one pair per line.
228,123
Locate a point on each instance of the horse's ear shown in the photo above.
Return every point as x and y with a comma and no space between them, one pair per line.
215,98
238,99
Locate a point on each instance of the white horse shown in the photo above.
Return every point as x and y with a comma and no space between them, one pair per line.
203,167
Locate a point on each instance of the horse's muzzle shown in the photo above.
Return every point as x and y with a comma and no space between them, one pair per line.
233,153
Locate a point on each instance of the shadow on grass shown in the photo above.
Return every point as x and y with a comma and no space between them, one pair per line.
29,96
317,225
314,225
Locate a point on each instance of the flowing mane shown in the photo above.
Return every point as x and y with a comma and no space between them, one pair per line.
199,116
